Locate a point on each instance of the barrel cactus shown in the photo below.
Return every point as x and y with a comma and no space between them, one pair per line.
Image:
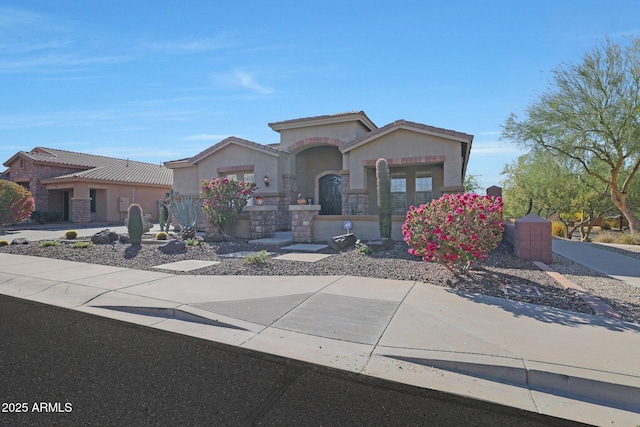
135,224
383,177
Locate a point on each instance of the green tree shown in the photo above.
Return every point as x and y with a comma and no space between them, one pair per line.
472,183
590,117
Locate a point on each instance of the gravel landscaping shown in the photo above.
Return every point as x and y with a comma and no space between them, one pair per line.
502,275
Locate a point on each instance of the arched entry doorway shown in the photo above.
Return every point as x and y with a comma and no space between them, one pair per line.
330,194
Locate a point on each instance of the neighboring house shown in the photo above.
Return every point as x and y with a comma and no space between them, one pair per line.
331,160
89,188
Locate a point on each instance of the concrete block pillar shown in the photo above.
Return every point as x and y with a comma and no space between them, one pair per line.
302,222
532,239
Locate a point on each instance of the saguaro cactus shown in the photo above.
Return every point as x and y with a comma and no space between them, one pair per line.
135,224
384,197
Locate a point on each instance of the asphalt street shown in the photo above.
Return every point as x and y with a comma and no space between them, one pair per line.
62,367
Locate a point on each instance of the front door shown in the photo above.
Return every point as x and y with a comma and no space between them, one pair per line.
330,194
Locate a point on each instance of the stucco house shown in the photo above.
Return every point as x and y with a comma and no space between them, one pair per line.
88,188
330,160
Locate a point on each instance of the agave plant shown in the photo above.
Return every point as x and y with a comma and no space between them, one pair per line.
186,212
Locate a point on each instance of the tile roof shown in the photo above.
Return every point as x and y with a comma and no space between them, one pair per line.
327,117
102,168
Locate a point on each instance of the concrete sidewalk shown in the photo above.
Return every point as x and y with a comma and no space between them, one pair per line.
565,364
621,267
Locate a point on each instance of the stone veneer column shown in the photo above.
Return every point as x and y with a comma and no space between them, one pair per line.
302,222
532,239
262,221
81,209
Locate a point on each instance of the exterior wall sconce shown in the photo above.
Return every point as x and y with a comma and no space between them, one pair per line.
266,180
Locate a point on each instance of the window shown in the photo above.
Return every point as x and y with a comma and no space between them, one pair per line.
398,194
21,164
424,188
92,194
245,177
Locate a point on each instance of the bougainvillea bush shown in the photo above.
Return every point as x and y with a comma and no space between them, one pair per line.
16,203
223,200
455,230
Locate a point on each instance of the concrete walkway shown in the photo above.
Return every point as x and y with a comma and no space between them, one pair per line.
545,360
621,267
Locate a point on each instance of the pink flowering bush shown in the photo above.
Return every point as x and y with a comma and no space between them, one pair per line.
455,230
223,200
16,203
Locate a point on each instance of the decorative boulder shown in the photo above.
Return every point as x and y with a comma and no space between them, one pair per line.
380,244
338,243
104,237
20,241
173,247
125,240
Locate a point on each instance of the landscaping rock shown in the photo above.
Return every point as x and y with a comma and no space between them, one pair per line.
380,244
338,243
173,247
104,237
124,240
20,241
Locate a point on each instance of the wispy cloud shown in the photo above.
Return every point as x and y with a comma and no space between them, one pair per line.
203,137
495,148
221,41
245,79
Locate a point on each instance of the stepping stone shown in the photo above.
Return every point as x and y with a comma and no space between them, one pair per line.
302,257
241,254
187,265
305,247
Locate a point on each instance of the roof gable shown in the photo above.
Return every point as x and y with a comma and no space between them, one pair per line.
232,140
99,168
351,116
410,126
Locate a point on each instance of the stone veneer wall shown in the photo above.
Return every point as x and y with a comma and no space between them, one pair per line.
81,210
302,222
262,221
34,173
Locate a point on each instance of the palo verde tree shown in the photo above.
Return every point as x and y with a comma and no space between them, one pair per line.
590,117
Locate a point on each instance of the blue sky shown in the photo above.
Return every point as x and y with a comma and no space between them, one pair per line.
162,80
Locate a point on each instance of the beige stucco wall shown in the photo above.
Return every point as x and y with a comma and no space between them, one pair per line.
108,198
185,180
404,143
235,155
313,162
346,132
365,227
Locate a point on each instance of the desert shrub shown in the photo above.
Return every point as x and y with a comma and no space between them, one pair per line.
71,234
455,230
605,237
16,203
162,236
82,245
4,243
259,258
605,225
558,229
627,239
48,243
44,217
192,242
363,249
